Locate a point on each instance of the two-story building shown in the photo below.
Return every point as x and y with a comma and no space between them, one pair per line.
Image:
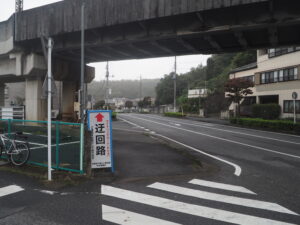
276,75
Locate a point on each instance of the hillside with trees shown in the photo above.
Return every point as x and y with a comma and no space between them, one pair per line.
124,88
213,76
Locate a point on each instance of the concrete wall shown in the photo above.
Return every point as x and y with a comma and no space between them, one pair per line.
7,36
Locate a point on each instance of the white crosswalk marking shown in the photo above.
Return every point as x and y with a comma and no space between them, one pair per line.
227,187
119,216
221,198
10,190
191,209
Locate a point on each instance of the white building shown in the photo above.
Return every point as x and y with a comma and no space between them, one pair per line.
276,75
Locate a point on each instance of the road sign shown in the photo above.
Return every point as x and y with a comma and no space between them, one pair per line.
197,93
295,95
99,122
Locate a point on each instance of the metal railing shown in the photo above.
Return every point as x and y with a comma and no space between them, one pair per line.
67,142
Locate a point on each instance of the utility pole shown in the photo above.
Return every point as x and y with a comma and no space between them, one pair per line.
140,88
50,47
82,86
175,77
107,85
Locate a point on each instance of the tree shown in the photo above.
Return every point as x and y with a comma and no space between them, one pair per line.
147,101
237,89
129,104
99,104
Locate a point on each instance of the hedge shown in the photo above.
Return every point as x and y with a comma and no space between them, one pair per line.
266,111
114,116
174,114
276,125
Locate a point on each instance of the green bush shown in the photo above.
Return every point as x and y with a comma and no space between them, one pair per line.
266,111
114,116
174,114
276,125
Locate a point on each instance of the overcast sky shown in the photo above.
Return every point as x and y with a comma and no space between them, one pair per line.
129,69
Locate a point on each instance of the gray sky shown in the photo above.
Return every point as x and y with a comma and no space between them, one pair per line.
128,69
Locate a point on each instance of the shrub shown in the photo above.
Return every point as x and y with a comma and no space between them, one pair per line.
174,114
266,111
114,116
276,125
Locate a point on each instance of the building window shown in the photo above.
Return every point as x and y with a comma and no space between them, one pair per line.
249,78
279,75
288,106
273,52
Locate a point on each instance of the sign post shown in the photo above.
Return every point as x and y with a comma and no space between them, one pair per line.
50,46
295,96
99,122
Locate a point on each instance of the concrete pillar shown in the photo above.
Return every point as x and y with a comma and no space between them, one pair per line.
2,94
36,107
68,99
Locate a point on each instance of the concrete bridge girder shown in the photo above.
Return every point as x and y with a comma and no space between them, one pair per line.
31,69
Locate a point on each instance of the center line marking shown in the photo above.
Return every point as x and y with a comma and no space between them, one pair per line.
228,131
222,139
237,168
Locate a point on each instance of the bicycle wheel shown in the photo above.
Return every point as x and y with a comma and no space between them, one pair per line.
21,155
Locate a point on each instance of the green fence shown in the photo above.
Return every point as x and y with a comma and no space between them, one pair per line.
67,142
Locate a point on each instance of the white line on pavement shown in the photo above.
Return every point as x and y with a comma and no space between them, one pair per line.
237,168
222,139
227,187
228,131
120,216
221,198
191,209
10,190
240,128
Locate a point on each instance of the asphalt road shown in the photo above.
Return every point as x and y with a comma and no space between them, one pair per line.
172,171
264,162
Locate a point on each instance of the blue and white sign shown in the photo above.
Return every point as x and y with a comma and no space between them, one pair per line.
99,122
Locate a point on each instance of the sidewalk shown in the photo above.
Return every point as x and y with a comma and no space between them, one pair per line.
209,120
140,156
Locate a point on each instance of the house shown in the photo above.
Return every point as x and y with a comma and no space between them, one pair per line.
276,75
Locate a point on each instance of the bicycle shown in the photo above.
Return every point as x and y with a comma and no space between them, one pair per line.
17,152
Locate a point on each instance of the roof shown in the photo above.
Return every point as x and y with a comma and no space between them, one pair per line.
244,68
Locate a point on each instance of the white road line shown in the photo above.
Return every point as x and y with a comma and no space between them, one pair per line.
221,198
242,128
223,139
191,209
227,187
237,168
123,217
229,131
10,190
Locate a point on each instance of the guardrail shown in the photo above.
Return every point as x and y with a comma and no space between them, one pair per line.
67,142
